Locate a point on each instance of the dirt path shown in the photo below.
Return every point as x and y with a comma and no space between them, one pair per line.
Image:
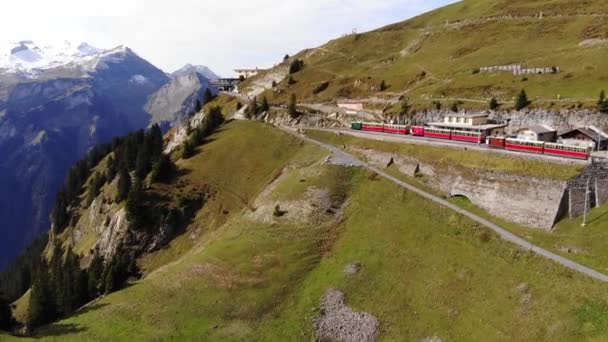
503,233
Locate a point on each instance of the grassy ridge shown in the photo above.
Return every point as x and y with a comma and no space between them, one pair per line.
425,59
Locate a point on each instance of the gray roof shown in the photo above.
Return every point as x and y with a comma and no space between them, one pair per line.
588,132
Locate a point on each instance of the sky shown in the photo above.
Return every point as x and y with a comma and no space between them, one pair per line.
220,34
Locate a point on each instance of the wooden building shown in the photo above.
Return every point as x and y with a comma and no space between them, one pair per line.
537,133
585,137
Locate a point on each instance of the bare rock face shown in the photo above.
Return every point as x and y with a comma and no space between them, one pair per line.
340,323
180,133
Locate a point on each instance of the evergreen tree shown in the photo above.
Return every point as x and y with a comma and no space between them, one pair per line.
42,307
274,84
124,185
239,105
604,106
142,167
291,81
253,107
208,96
134,205
285,58
163,170
94,275
454,107
187,150
494,104
6,315
155,142
522,100
265,107
602,98
382,86
405,110
293,106
296,66
198,107
112,169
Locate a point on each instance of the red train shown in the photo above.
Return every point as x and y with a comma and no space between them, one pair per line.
537,147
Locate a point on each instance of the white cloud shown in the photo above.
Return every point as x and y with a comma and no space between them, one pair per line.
220,34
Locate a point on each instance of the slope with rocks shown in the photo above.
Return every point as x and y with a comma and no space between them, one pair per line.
201,69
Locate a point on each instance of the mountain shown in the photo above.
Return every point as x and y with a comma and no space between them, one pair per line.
201,69
55,104
440,57
176,99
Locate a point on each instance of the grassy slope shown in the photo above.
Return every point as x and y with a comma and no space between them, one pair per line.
585,245
400,53
426,271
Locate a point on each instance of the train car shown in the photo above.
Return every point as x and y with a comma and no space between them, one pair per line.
418,131
561,150
497,142
396,129
357,126
474,137
525,146
372,127
437,133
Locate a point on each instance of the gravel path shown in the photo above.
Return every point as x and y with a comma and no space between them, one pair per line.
503,233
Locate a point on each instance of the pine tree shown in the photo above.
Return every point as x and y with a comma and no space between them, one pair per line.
208,96
604,106
6,315
124,185
155,142
112,169
134,205
454,107
602,98
42,306
285,58
253,107
293,106
163,170
382,86
198,107
142,166
265,107
274,84
494,104
187,150
405,110
522,100
95,271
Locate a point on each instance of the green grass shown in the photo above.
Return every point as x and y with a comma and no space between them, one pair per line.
426,271
452,157
440,60
587,245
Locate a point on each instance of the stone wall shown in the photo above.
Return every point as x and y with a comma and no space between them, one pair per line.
530,201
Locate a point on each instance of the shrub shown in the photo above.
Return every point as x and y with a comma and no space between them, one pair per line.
476,71
494,104
291,81
321,88
454,107
278,212
296,66
383,86
522,100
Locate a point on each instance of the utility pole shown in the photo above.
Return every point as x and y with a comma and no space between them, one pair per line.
587,193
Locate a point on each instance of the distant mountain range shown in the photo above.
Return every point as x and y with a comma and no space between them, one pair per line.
56,102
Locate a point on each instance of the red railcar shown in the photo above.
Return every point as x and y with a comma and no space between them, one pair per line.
396,129
373,127
418,131
437,133
561,150
497,142
525,146
474,137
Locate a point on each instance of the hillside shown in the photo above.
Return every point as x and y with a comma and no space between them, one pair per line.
240,271
437,56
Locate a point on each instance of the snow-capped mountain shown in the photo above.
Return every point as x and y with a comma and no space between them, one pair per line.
201,69
29,59
59,100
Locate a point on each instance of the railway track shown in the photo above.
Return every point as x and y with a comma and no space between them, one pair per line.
503,233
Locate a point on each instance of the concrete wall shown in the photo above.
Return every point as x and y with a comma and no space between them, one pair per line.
530,201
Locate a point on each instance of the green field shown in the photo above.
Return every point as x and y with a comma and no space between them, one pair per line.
426,60
250,275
